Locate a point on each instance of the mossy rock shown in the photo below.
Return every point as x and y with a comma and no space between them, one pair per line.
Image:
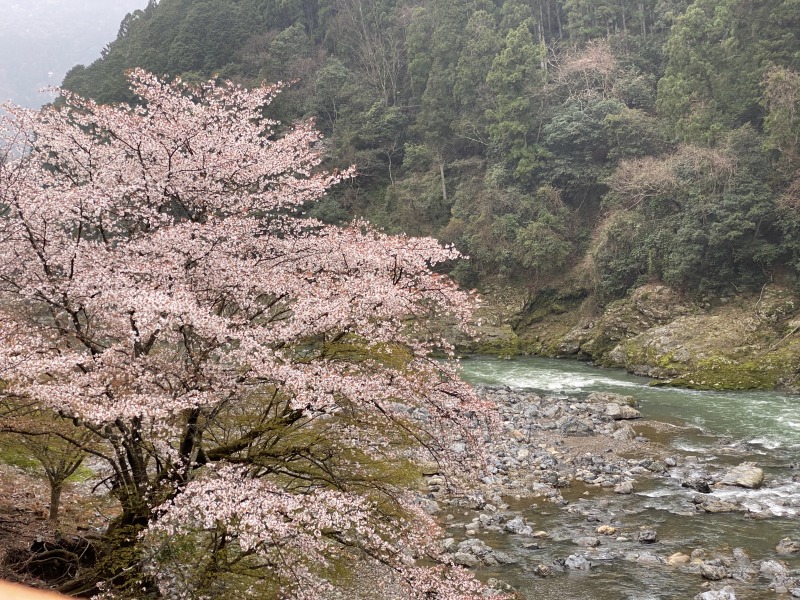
547,319
766,371
502,342
550,302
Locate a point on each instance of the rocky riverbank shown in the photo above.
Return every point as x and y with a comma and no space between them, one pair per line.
748,341
585,459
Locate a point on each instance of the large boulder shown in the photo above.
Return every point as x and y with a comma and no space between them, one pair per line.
623,319
474,553
772,569
746,475
622,412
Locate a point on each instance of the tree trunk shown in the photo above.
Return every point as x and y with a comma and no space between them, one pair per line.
55,499
644,23
558,20
441,173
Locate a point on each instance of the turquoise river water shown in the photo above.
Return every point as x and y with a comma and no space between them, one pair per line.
714,429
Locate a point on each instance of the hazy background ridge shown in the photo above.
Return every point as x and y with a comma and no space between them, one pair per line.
40,40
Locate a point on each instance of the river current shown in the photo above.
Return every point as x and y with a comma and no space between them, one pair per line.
713,429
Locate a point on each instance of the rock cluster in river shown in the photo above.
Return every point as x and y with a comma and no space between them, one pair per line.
550,443
726,489
473,552
533,456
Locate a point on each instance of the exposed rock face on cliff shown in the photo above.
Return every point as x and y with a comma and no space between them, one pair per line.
742,342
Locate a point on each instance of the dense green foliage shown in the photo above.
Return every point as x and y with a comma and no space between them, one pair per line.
622,141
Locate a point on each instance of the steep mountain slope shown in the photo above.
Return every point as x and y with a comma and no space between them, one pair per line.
575,150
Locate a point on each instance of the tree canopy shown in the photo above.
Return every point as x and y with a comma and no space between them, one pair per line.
258,385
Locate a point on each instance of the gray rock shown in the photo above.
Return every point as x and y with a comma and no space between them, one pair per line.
743,573
532,546
740,555
698,554
624,434
504,558
713,572
588,542
430,506
475,547
726,593
577,562
515,525
746,475
772,569
699,484
787,546
625,487
650,559
621,412
611,398
551,411
570,424
490,560
618,356
568,348
717,506
466,559
648,536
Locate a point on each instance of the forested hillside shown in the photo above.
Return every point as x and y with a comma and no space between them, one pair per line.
608,142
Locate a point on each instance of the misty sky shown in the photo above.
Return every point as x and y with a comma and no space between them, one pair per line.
40,40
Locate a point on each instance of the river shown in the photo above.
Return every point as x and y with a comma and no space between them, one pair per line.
713,429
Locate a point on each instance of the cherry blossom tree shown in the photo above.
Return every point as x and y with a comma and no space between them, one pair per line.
259,386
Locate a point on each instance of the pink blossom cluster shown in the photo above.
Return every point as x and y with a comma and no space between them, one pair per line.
157,276
297,534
